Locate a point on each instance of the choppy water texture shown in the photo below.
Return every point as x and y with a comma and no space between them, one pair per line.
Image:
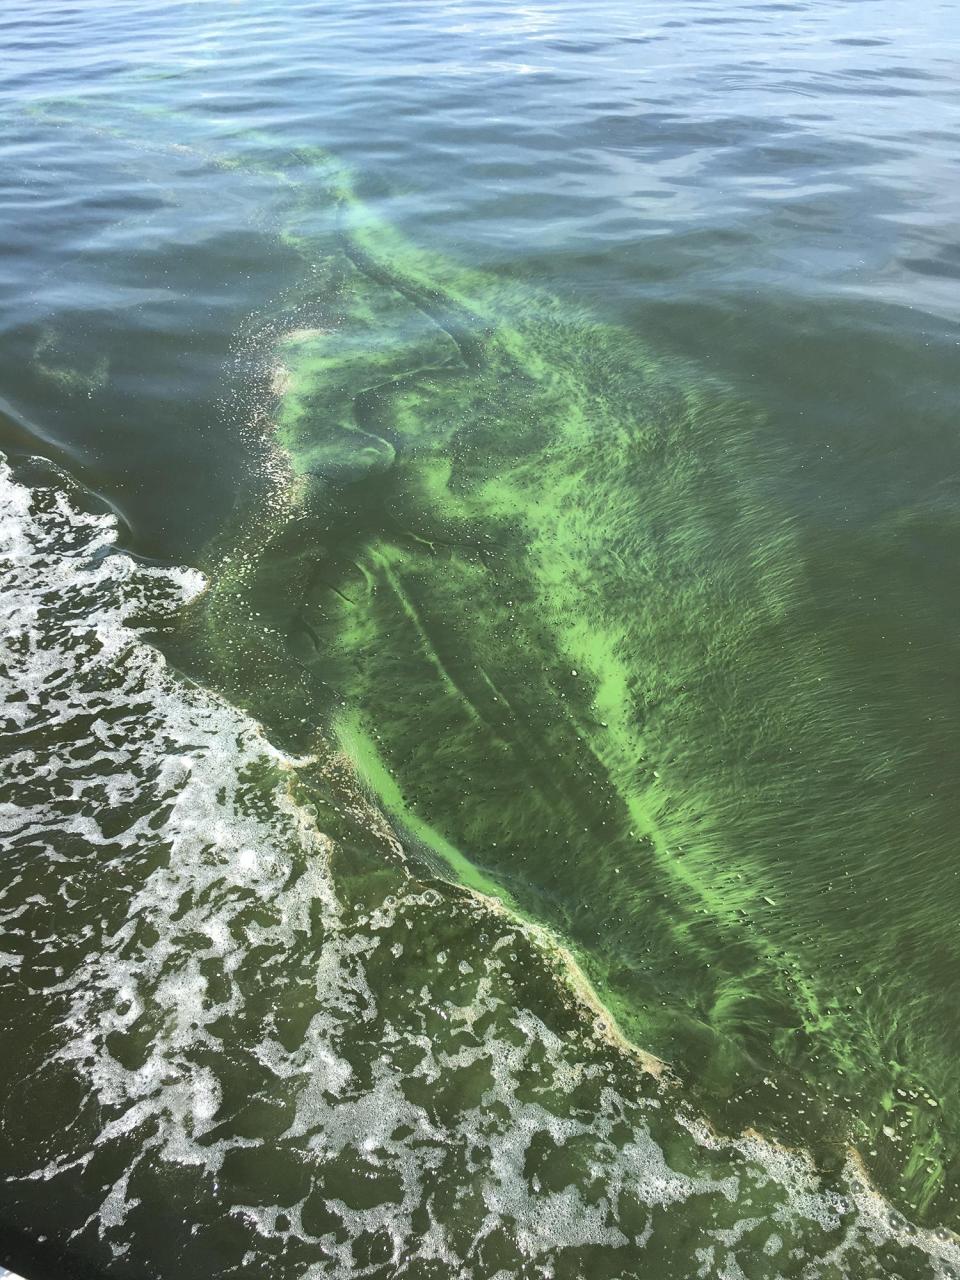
562,429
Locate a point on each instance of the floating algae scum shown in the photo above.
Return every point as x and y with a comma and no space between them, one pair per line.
525,572
528,579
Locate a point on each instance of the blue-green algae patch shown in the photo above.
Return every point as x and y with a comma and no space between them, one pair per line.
531,575
540,576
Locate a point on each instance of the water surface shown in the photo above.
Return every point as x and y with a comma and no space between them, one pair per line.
561,417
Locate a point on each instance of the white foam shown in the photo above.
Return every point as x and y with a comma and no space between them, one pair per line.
225,968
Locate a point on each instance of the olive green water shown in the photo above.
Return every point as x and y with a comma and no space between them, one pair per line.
551,653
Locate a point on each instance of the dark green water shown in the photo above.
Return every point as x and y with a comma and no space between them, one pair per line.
478,551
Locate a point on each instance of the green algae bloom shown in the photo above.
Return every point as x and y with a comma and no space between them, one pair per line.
526,575
533,578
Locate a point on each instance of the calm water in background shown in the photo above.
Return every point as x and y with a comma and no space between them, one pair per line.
760,198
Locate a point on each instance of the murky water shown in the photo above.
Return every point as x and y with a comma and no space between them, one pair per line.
479,629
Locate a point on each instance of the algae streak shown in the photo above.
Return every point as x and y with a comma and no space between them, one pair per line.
545,587
532,577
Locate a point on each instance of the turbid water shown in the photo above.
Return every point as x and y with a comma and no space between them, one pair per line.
478,530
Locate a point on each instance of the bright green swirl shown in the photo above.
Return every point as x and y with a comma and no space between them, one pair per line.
538,585
531,579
